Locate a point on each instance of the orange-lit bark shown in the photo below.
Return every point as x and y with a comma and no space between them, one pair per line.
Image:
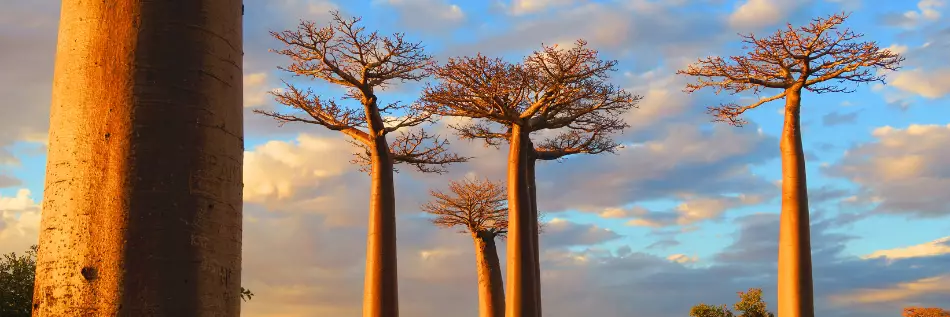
142,203
380,291
795,291
491,289
521,301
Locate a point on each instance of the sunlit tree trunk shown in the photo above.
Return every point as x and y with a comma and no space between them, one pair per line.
491,290
142,202
380,291
795,298
521,301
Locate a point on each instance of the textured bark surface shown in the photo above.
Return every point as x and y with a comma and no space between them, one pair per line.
521,301
380,288
795,291
491,289
142,202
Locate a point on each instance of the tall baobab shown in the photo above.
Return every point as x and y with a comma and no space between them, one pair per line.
479,207
565,90
142,202
793,60
344,55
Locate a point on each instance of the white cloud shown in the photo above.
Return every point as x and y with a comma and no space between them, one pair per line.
900,292
19,221
520,7
682,258
933,248
754,14
256,91
932,84
903,168
279,170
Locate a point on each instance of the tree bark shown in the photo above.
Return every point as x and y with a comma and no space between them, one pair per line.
491,289
521,300
535,237
795,297
380,288
142,204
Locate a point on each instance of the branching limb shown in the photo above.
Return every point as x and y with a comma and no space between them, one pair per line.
574,142
731,113
425,152
480,131
322,112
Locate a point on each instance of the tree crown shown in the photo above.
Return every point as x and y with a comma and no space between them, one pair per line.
816,57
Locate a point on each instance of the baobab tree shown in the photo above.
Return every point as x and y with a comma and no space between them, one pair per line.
816,58
565,90
344,55
479,207
142,202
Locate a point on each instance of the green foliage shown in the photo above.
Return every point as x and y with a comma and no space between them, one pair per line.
16,283
750,304
17,273
246,294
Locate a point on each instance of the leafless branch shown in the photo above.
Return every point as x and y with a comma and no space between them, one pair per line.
808,57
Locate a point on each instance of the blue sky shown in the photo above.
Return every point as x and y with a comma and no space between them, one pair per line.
301,192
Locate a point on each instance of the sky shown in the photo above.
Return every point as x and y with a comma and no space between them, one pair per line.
686,213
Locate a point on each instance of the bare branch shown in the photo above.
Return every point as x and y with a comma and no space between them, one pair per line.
795,58
477,205
574,142
731,113
343,53
553,88
427,153
326,113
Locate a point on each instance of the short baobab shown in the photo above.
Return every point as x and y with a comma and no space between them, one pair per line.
479,207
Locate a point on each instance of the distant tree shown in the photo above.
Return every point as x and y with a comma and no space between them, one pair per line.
17,276
17,273
564,90
750,304
793,60
925,312
344,55
479,207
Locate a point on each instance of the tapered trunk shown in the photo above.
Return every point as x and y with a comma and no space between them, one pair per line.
380,288
491,290
142,202
535,237
521,298
795,298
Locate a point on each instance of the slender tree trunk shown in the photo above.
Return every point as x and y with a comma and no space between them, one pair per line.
795,297
142,202
535,237
521,298
491,290
380,288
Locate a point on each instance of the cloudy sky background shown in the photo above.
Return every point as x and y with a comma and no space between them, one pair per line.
686,213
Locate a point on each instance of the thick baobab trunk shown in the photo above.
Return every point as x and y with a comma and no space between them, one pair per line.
795,298
521,298
535,237
380,288
142,203
491,290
